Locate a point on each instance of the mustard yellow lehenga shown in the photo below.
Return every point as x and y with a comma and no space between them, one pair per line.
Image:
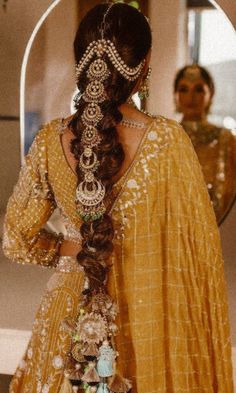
167,273
216,151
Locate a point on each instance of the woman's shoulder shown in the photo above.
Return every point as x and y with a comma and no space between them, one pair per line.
170,129
50,129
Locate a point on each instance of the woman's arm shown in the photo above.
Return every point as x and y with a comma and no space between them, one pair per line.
29,207
69,248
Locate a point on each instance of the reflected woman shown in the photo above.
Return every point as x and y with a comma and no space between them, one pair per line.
141,231
215,146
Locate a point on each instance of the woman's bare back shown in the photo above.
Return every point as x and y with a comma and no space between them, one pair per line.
129,137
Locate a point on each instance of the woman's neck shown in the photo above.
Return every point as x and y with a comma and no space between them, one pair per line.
130,112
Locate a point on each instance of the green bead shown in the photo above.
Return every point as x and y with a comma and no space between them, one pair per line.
134,4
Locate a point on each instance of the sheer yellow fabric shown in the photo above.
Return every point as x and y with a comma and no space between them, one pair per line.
28,209
167,275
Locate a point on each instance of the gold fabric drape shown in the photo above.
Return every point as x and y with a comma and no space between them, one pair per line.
167,275
216,151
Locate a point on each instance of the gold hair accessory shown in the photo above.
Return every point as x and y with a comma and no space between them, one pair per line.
103,46
144,88
90,191
91,360
192,73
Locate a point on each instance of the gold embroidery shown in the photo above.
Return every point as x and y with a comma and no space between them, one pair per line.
167,275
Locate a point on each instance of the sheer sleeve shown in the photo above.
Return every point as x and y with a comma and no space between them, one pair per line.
25,240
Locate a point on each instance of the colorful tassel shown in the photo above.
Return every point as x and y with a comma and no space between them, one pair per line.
91,375
119,384
74,372
66,386
91,350
91,389
102,388
105,360
76,353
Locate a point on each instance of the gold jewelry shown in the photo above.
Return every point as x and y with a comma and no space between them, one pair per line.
95,325
98,69
92,114
101,47
90,136
201,132
132,123
94,92
144,88
90,191
192,73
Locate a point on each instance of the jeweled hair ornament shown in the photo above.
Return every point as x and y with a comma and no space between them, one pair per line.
106,46
91,360
91,191
192,73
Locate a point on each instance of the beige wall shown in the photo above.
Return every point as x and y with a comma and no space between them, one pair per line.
48,89
169,52
16,26
59,76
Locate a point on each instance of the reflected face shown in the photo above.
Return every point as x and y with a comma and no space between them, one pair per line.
193,98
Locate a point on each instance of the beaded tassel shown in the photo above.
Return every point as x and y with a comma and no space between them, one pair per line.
102,388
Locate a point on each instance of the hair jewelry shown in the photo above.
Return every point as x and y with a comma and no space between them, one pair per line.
102,46
144,88
91,361
192,73
91,192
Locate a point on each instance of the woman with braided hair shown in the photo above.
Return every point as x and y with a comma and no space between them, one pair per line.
138,300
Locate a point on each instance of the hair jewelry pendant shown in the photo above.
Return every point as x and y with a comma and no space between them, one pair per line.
100,47
91,360
90,191
144,88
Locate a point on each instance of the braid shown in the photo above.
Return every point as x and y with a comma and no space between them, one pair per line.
98,235
107,71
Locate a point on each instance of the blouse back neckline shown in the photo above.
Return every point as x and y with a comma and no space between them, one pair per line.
124,176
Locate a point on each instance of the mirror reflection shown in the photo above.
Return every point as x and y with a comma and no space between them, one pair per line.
203,97
210,123
215,146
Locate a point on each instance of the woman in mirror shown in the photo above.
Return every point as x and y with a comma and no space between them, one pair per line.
215,146
140,269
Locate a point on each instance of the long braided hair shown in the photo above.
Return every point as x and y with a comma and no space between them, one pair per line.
129,30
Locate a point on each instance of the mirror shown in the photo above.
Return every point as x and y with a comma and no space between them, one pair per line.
204,92
215,49
47,76
50,83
